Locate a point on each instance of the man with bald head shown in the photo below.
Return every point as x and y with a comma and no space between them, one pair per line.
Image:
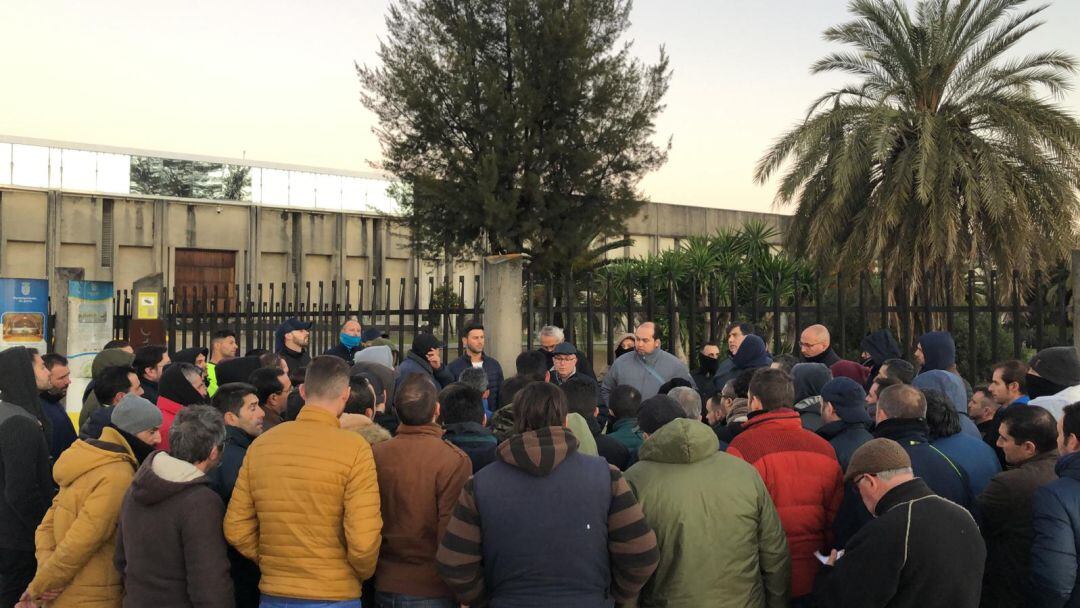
646,368
816,346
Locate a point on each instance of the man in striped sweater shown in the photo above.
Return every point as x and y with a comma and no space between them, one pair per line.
545,525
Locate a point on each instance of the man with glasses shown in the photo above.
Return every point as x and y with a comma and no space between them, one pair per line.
564,363
921,550
815,343
550,337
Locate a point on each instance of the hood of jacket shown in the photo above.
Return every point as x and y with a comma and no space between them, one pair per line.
681,441
939,350
112,357
236,370
833,429
376,354
174,386
538,452
1068,466
18,385
752,353
850,369
881,346
809,378
86,455
161,477
948,383
189,355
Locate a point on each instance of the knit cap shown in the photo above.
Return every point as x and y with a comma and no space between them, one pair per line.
875,456
134,415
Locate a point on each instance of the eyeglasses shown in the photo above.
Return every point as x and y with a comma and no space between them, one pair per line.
565,358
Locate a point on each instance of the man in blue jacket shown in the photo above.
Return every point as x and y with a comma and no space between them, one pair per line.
472,339
1056,524
425,357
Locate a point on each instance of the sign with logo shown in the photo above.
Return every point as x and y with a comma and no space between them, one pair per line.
90,323
24,313
147,305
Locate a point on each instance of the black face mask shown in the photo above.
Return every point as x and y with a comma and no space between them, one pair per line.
708,364
1037,386
622,351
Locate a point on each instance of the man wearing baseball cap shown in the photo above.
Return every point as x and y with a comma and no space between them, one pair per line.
291,340
921,550
425,357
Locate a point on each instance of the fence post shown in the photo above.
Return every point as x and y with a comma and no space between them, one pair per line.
502,305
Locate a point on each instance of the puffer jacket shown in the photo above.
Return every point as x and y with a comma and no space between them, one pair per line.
697,499
306,552
803,476
1055,545
76,540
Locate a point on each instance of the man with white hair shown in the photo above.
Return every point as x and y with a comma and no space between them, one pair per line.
550,337
689,400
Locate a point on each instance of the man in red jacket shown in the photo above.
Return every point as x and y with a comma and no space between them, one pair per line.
799,469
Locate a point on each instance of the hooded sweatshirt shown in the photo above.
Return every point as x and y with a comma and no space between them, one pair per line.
77,539
515,540
170,548
18,385
939,351
950,385
808,379
881,346
699,500
189,355
175,393
112,357
752,354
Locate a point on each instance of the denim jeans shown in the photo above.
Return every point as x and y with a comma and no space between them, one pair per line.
271,601
397,600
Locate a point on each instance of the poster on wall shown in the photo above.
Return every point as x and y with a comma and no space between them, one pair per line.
24,313
90,323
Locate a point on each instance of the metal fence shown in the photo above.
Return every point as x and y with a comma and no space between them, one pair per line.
990,318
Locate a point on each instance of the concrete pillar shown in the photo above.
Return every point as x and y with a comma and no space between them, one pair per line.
502,306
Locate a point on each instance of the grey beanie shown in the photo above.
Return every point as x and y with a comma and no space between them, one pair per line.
134,415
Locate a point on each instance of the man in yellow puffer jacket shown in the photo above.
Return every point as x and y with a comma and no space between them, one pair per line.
305,507
76,540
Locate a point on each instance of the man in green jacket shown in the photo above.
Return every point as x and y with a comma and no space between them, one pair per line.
721,544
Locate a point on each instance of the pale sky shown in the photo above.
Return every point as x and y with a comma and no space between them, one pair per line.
273,80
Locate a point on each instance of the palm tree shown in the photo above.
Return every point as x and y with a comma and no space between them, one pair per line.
947,153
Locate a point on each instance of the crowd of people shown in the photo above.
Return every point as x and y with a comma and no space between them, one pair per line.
203,478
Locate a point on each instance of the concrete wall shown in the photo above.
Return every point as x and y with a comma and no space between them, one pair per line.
41,230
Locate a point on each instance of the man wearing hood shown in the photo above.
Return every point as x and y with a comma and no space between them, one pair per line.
195,355
52,402
696,499
181,385
1053,378
425,357
846,423
26,485
150,362
952,386
815,344
111,357
170,549
877,348
514,539
808,379
647,369
77,538
728,368
291,340
936,350
349,341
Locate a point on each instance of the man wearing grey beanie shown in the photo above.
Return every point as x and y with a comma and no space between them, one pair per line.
139,423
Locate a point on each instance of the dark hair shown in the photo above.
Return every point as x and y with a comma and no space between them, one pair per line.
269,359
361,396
230,397
745,328
539,405
116,344
148,356
1070,421
787,362
327,377
474,377
666,387
266,381
511,387
582,395
376,384
112,380
297,375
885,382
471,325
222,334
941,416
461,403
52,360
1014,371
256,352
532,364
195,432
773,387
415,400
902,401
900,370
1032,423
741,386
624,401
981,388
708,343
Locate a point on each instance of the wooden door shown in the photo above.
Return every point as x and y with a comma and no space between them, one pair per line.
200,271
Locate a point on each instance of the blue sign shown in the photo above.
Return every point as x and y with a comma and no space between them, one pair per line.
24,313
